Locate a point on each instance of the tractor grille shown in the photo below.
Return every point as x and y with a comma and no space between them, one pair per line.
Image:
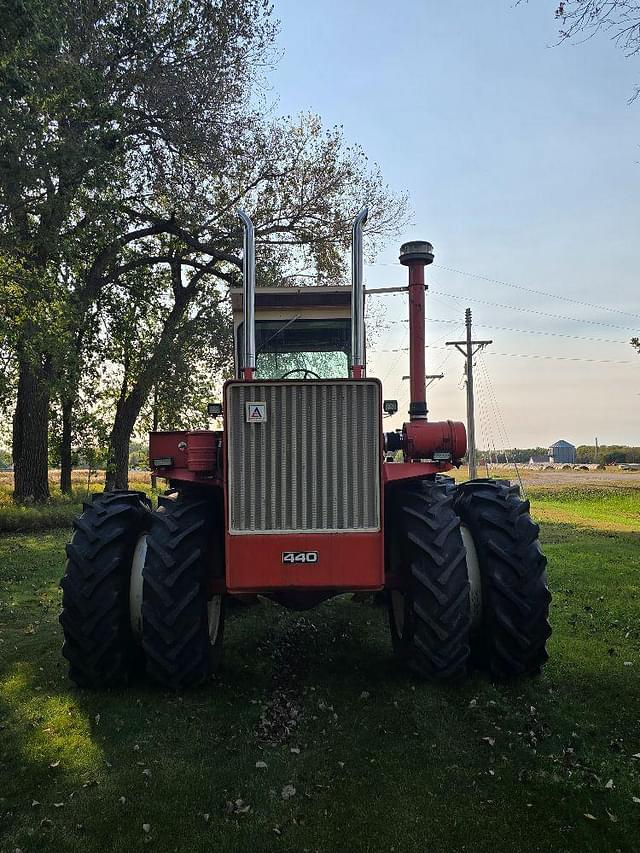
313,465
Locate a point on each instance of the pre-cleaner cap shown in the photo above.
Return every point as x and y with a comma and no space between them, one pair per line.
416,250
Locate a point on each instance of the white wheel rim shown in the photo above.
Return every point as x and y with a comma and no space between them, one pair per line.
397,608
214,612
135,586
473,573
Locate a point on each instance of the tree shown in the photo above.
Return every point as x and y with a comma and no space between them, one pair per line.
151,346
618,19
101,100
140,141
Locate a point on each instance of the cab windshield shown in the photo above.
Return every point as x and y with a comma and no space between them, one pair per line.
301,349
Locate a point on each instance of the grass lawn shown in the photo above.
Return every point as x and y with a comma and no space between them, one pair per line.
60,510
313,740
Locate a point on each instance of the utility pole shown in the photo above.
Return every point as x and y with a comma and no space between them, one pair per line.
430,378
468,349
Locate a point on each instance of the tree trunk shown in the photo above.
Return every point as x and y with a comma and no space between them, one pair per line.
117,476
130,404
65,447
31,435
154,428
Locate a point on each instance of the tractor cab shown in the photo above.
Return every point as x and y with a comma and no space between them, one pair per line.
300,332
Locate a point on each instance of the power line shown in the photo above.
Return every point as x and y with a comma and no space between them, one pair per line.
531,355
538,292
526,331
500,420
525,310
525,289
562,358
534,311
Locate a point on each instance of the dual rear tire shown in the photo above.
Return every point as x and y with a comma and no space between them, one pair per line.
469,583
138,591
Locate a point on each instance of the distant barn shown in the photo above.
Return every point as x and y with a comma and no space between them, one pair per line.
562,452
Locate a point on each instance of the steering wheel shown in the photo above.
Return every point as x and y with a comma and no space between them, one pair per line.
306,374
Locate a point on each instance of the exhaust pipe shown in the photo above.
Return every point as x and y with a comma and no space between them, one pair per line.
357,296
248,295
417,255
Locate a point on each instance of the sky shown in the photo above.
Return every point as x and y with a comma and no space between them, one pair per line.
522,163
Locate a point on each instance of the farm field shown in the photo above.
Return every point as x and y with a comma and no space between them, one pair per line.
313,740
61,509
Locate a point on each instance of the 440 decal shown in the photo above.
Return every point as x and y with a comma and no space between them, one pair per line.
299,556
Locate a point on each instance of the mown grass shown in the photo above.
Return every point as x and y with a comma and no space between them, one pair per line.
378,761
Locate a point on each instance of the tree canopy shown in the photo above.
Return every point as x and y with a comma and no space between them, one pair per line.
130,131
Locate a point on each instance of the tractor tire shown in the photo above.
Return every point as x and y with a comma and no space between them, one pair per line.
429,611
98,642
182,624
513,629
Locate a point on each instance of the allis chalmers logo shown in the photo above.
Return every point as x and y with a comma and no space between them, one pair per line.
299,556
255,412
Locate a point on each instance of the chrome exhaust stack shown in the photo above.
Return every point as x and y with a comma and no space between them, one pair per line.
357,295
248,295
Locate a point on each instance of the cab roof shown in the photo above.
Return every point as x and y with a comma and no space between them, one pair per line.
335,296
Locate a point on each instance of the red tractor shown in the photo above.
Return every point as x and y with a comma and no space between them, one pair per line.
293,500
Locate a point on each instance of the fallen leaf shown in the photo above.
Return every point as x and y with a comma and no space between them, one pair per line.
97,719
288,791
58,805
295,750
123,800
146,772
637,755
636,799
35,803
590,816
490,740
237,807
146,827
55,764
609,784
206,817
261,765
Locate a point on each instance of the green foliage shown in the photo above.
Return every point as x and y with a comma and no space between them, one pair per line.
607,453
60,510
128,138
